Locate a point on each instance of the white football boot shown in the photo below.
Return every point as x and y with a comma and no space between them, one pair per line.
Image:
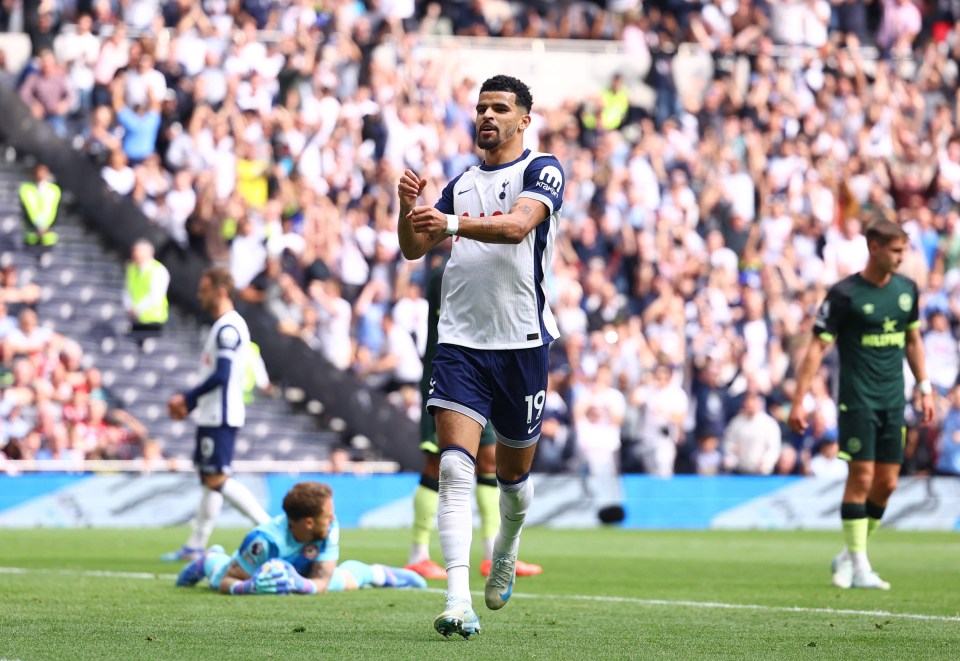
842,568
499,587
869,580
458,618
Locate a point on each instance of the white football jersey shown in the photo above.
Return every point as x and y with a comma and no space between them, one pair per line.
229,338
493,294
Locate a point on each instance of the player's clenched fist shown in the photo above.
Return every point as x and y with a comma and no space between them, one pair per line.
177,407
797,421
427,220
409,188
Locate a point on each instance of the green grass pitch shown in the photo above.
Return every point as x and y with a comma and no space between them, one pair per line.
604,594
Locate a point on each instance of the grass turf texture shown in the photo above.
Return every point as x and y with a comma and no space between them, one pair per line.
597,598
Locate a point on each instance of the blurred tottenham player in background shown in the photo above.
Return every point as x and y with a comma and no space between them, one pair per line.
220,413
494,331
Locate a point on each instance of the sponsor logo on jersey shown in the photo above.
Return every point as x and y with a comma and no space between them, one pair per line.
854,445
550,180
890,337
255,554
868,308
310,551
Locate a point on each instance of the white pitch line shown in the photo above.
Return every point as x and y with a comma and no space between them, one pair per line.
716,605
139,575
748,607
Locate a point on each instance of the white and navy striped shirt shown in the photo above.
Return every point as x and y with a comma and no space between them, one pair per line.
493,294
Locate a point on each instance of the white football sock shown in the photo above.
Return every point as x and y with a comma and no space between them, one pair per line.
418,553
455,521
211,502
860,562
515,500
244,501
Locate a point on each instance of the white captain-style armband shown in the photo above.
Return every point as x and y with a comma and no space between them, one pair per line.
924,387
453,224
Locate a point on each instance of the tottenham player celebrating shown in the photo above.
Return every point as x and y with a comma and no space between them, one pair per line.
494,331
218,401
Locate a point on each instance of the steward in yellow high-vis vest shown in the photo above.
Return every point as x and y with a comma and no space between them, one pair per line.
139,281
614,104
145,294
40,200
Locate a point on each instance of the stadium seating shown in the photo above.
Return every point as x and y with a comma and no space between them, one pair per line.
82,299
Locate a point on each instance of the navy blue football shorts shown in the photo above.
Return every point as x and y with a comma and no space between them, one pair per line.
508,387
214,451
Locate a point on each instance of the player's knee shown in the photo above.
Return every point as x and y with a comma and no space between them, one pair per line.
213,480
457,465
859,485
885,485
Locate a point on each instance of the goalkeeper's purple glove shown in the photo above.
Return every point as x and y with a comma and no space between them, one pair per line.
270,578
298,583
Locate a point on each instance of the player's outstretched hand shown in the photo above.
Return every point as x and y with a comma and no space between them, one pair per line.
409,188
928,409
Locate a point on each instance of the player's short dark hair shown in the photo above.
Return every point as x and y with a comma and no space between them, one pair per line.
219,277
502,83
884,231
306,500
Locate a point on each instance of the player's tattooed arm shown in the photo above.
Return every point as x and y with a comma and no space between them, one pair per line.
490,226
321,573
511,227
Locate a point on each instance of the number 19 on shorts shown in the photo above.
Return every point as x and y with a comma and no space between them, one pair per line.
535,402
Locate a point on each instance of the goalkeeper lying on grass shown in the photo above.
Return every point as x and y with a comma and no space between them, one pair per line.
294,553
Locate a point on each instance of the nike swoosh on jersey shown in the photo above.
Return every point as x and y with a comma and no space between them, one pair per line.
464,191
531,429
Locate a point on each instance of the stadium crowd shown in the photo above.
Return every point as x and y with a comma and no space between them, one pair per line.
52,407
698,235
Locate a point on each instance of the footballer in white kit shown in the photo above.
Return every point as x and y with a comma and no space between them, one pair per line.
218,408
493,299
494,332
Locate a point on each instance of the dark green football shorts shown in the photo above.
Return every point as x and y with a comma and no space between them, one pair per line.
872,435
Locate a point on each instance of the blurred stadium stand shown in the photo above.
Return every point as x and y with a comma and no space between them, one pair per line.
82,288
